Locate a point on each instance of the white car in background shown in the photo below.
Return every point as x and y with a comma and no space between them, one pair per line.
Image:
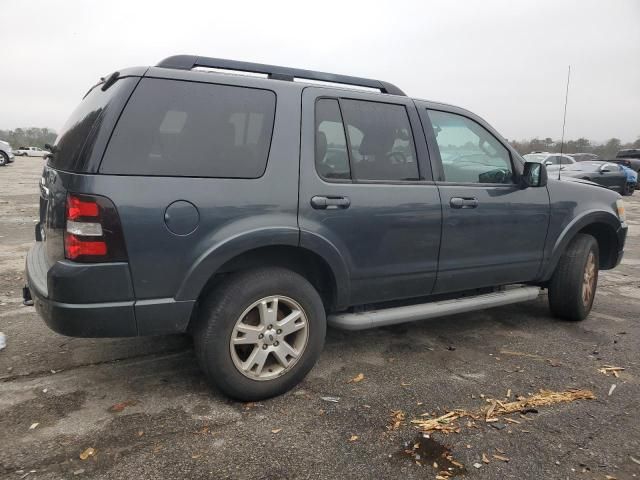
31,152
553,161
6,153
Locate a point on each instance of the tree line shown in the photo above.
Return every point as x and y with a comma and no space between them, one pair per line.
28,137
605,150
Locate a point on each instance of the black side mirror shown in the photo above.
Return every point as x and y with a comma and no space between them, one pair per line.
534,175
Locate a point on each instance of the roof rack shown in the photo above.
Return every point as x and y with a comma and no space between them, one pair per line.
189,62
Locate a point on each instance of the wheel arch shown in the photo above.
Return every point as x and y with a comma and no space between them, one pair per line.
327,274
603,226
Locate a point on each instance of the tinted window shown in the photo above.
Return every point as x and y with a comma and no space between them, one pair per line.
469,153
78,134
381,141
332,160
180,128
566,161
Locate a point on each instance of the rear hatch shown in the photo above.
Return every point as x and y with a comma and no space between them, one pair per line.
76,155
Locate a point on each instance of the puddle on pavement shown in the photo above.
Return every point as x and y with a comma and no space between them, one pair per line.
427,452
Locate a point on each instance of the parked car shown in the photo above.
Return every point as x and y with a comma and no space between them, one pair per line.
182,200
584,157
6,153
31,152
553,161
608,174
629,158
632,180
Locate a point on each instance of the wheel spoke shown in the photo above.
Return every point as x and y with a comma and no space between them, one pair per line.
250,334
292,323
283,351
268,311
257,358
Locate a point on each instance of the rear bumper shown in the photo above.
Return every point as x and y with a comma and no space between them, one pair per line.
57,291
97,300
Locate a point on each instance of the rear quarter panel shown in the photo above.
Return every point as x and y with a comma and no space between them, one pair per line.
235,215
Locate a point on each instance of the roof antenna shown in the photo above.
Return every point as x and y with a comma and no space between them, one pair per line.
564,121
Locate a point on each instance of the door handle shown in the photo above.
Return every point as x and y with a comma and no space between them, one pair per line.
460,202
324,203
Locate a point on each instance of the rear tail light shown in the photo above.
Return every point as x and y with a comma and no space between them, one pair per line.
92,231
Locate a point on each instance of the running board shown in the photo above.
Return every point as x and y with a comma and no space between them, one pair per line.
423,311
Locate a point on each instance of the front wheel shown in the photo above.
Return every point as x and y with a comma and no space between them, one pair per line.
573,285
260,333
4,159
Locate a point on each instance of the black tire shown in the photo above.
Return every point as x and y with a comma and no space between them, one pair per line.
627,190
566,288
217,318
4,159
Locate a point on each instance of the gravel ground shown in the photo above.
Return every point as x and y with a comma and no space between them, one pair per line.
57,394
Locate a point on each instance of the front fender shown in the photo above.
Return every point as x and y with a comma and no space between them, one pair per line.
569,232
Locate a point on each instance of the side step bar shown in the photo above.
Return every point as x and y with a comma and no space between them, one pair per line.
423,311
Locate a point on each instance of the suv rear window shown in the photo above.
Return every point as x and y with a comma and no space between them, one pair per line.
79,133
178,128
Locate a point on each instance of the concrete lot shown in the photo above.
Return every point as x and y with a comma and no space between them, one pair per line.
57,394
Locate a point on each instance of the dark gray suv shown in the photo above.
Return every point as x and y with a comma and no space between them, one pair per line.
253,210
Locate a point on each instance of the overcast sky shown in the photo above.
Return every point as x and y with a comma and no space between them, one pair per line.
504,60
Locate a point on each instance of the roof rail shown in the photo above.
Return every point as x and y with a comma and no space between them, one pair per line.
188,62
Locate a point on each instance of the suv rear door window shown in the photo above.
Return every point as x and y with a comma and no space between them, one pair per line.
332,160
380,141
177,128
469,153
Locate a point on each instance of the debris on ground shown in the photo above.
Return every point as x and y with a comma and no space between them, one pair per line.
34,426
358,378
119,407
354,438
634,460
500,457
3,341
485,459
425,451
611,389
446,423
607,369
397,417
89,452
330,399
276,430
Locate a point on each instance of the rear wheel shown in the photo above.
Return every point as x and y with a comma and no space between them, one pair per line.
573,285
260,333
4,159
627,189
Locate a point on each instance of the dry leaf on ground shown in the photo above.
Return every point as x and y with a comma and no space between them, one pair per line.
119,407
276,430
397,417
607,369
353,438
500,457
89,452
358,378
